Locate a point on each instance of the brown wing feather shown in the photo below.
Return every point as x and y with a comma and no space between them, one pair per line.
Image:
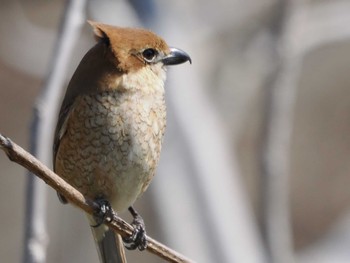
60,131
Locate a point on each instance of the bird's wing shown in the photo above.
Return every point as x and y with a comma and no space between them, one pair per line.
60,131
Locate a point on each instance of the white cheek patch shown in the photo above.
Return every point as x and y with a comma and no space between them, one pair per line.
150,79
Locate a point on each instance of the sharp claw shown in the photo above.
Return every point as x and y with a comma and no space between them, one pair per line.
104,213
138,237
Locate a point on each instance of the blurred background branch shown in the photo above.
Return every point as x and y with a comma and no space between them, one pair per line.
276,138
42,128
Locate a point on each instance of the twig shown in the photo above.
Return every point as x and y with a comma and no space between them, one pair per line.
17,154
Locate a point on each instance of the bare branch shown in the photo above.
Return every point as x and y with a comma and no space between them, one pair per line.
18,155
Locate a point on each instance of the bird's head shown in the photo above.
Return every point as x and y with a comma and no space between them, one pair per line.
134,49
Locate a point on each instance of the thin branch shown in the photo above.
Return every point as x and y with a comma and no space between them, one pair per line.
18,155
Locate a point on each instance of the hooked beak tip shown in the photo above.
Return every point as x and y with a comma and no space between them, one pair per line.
176,56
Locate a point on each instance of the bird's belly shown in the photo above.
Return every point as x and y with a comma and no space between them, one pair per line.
111,149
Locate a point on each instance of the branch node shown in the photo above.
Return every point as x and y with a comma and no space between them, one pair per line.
6,145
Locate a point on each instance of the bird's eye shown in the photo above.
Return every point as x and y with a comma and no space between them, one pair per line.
149,54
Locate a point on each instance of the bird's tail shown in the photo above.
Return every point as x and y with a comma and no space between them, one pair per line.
109,245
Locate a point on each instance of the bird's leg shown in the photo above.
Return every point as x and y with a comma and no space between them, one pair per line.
103,213
138,237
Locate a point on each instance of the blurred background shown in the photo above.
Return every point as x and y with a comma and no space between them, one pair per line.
254,166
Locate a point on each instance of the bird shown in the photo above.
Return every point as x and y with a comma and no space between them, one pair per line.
111,124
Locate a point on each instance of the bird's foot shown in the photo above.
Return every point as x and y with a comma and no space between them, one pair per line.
138,237
104,213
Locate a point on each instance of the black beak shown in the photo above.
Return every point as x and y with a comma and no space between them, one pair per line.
175,57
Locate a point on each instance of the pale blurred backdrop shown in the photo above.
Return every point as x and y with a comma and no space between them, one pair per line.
207,198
